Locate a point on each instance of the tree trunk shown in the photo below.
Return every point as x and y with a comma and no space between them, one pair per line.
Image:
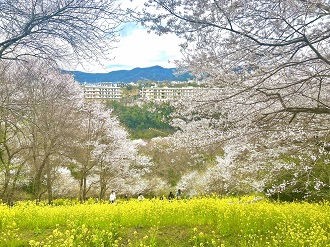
38,178
102,190
5,184
84,188
81,189
12,189
49,186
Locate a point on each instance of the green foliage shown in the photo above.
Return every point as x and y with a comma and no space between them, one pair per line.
142,84
173,176
146,121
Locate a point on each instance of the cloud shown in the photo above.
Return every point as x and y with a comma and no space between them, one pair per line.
138,48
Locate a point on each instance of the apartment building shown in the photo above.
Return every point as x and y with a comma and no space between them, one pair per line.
166,93
102,91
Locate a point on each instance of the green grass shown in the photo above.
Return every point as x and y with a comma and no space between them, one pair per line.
208,221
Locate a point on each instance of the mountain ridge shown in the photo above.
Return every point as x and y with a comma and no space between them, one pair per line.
153,73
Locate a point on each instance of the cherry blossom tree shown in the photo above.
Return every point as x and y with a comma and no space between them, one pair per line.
264,66
48,132
173,160
269,57
91,129
109,156
37,121
12,139
120,166
58,30
51,102
103,156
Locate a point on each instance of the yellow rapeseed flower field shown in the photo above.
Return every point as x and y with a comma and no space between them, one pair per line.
205,221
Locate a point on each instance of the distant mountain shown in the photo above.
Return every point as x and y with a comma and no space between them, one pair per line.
155,73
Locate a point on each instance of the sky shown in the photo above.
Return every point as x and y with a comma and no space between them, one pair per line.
138,48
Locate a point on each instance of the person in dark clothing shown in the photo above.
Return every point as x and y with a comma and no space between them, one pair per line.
171,196
179,194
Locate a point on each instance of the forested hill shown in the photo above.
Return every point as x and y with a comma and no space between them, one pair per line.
155,73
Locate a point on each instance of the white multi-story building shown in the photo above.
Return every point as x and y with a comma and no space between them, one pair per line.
167,93
102,91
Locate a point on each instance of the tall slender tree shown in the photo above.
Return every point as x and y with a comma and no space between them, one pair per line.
13,144
51,102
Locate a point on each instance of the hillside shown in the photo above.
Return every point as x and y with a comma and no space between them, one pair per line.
154,73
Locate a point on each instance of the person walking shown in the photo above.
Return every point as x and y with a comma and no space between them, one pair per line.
140,197
112,197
